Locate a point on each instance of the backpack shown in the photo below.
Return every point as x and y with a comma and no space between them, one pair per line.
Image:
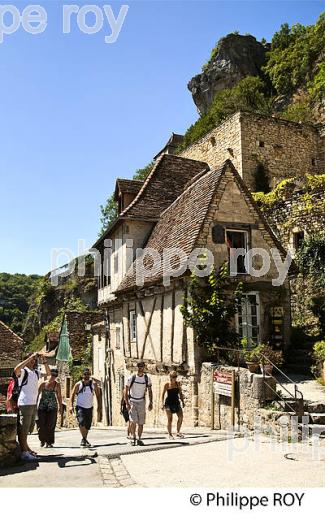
82,389
133,380
13,391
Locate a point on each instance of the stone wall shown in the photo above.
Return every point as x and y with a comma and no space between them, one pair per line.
284,148
9,450
251,396
222,143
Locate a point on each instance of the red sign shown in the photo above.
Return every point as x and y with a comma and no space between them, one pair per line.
222,382
221,376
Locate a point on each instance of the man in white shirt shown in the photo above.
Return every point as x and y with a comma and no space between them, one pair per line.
28,377
135,399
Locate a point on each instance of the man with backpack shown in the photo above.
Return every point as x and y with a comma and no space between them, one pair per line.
84,390
135,399
26,376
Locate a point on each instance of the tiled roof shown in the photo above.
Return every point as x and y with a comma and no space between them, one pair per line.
127,186
172,144
163,185
11,346
181,223
179,226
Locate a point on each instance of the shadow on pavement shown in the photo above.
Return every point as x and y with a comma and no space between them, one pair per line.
63,460
21,467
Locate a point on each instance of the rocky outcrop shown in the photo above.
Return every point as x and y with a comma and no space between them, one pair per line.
236,57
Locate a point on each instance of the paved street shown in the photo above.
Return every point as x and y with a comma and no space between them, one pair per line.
69,465
202,458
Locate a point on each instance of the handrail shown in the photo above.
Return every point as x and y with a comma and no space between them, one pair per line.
264,357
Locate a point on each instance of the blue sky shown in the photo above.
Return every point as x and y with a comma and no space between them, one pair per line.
76,113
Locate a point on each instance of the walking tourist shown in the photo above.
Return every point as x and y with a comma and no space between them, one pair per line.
135,398
28,376
172,404
49,404
85,390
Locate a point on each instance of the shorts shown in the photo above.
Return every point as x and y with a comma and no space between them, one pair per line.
26,418
84,417
137,412
173,407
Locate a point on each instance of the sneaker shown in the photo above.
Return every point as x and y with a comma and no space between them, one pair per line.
140,442
88,444
133,441
48,445
83,443
42,444
28,457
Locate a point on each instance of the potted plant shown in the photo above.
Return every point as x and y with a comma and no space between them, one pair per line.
250,356
268,357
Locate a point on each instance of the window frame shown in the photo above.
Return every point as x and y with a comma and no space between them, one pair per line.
250,340
133,325
247,239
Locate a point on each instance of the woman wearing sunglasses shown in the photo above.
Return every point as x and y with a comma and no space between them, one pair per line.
172,404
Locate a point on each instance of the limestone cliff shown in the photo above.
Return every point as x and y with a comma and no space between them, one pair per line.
234,58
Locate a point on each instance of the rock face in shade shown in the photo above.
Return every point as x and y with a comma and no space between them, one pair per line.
237,57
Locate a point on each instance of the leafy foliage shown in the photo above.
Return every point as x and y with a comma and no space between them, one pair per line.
71,304
108,214
16,292
249,95
293,55
284,189
210,309
299,111
311,258
142,173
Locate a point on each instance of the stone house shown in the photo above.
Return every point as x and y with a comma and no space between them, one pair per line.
187,205
11,350
252,141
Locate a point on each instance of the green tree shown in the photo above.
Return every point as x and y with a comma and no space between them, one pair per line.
108,214
211,307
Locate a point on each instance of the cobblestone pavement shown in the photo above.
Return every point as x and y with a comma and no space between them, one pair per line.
114,473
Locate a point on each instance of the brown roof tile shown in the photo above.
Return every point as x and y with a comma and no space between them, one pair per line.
163,185
127,186
11,346
180,224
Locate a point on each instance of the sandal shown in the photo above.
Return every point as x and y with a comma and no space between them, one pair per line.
180,435
170,436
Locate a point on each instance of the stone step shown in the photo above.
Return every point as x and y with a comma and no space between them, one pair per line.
313,429
315,407
317,418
